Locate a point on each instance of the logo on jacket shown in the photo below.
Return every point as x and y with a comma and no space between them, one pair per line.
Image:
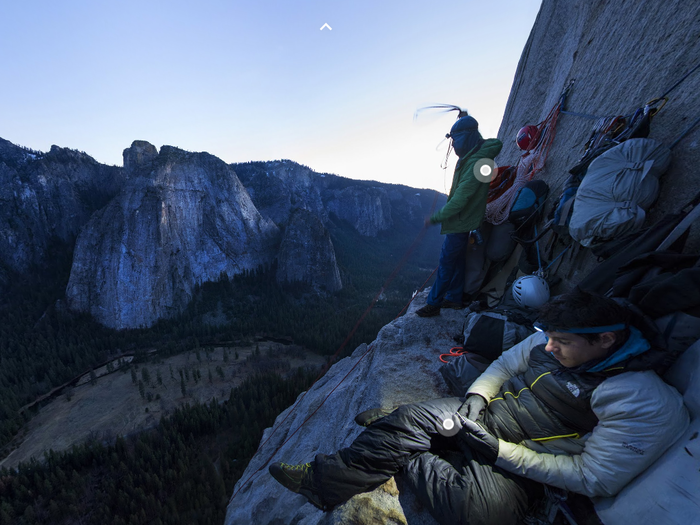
574,389
634,449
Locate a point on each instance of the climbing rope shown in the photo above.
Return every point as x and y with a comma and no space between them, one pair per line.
531,162
455,351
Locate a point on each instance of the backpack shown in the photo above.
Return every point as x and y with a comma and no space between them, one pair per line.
489,333
486,335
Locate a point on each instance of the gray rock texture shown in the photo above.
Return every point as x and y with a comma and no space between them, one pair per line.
182,219
367,209
46,196
399,367
306,254
279,187
621,55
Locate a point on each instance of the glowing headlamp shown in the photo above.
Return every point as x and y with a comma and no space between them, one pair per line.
541,327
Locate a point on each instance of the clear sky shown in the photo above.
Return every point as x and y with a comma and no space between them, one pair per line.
259,80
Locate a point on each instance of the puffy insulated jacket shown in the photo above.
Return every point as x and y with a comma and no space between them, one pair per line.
638,418
466,202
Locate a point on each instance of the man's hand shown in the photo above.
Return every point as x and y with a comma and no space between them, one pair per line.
427,222
473,407
478,439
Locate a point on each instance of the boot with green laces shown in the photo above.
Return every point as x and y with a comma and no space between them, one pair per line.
299,479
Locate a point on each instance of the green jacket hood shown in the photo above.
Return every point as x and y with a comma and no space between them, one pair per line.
466,202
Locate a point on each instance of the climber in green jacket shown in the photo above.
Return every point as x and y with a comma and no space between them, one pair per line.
462,213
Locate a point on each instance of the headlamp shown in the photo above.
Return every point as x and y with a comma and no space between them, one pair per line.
542,327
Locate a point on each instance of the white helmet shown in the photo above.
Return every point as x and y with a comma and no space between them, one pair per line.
531,291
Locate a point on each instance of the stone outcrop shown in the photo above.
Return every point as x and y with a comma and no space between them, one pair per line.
400,367
46,196
139,157
367,209
307,255
279,187
182,219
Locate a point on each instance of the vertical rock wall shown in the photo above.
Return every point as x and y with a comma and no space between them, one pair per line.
183,219
621,54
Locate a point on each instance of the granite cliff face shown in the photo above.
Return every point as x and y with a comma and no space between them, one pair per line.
400,367
307,254
183,219
367,209
614,76
149,232
280,187
45,196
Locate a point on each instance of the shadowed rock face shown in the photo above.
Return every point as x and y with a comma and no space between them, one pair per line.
45,196
280,187
307,254
183,219
367,209
401,367
613,76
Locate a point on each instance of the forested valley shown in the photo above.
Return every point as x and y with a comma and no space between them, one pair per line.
184,470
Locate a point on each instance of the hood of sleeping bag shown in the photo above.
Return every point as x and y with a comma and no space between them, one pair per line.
465,135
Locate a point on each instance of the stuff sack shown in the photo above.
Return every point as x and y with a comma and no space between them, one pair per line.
618,188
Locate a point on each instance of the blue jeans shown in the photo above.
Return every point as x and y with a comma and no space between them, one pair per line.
449,283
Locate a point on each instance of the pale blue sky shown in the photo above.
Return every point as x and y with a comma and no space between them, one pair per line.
258,80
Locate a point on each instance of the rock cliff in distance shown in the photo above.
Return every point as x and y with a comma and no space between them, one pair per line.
307,255
47,196
183,219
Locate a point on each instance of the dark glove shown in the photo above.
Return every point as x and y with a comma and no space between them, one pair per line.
477,438
473,407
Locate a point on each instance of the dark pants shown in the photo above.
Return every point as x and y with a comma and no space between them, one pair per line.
456,487
449,283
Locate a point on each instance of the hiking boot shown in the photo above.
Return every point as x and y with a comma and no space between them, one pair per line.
452,305
428,311
299,479
366,418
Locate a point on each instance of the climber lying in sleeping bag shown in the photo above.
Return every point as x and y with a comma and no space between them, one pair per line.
576,406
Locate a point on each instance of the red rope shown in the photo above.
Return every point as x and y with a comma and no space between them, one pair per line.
458,351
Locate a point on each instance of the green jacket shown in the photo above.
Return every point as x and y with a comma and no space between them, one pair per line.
466,202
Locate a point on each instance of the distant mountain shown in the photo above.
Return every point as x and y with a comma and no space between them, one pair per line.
44,197
146,235
183,218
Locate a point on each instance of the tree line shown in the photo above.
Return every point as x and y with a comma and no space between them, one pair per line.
181,472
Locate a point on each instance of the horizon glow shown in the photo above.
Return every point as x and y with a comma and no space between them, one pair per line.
260,81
